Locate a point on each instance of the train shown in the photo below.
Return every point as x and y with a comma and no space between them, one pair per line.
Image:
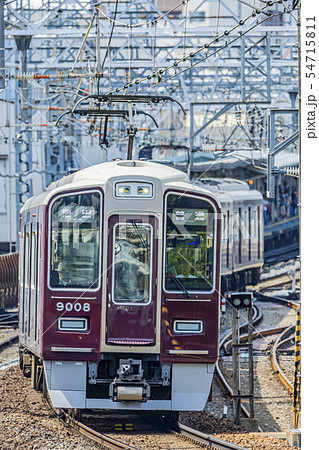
242,238
120,269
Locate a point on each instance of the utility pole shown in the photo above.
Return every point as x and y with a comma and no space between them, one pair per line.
23,144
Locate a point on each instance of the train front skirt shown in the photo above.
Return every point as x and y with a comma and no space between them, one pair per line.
67,384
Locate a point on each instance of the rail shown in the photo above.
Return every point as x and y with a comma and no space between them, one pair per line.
206,439
11,340
280,341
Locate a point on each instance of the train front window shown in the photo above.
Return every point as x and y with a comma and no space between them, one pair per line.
132,263
189,253
75,242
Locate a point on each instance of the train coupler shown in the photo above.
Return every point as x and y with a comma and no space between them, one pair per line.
130,384
138,392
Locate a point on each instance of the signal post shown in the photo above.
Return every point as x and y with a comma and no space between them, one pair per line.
240,301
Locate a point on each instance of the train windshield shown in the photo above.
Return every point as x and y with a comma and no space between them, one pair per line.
189,253
75,241
132,263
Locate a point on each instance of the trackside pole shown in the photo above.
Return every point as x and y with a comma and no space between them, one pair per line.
297,374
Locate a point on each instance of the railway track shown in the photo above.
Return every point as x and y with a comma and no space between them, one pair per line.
283,331
8,319
195,439
98,438
5,344
11,340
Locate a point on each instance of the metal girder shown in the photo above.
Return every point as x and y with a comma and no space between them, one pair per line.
253,66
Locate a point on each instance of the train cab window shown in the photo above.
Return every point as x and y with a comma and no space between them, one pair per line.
75,241
189,252
132,255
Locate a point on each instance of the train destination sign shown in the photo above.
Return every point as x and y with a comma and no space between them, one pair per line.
190,216
77,214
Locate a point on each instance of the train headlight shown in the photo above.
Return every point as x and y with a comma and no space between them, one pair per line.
133,189
143,190
241,299
124,190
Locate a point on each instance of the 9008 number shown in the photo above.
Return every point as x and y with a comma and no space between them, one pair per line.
73,307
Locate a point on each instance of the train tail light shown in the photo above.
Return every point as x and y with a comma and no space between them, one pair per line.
72,324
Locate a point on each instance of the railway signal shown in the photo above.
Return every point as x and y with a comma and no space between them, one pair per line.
240,300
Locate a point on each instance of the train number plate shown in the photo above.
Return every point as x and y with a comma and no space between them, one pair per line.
73,307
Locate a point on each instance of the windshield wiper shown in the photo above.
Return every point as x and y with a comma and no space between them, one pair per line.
179,284
139,233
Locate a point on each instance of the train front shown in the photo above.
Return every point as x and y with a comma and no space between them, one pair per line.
131,307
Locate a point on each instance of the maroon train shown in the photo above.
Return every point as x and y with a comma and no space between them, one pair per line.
119,289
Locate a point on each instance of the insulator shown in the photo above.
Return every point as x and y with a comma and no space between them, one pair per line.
292,171
23,76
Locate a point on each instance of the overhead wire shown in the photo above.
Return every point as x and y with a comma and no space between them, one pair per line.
159,73
111,34
137,25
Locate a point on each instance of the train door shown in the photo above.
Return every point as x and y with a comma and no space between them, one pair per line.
132,281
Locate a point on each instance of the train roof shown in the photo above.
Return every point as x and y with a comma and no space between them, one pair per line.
225,184
101,173
229,189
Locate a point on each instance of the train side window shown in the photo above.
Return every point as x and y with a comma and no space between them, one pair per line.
258,230
75,241
235,226
27,260
249,233
33,258
224,229
246,231
21,258
228,240
254,224
189,250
